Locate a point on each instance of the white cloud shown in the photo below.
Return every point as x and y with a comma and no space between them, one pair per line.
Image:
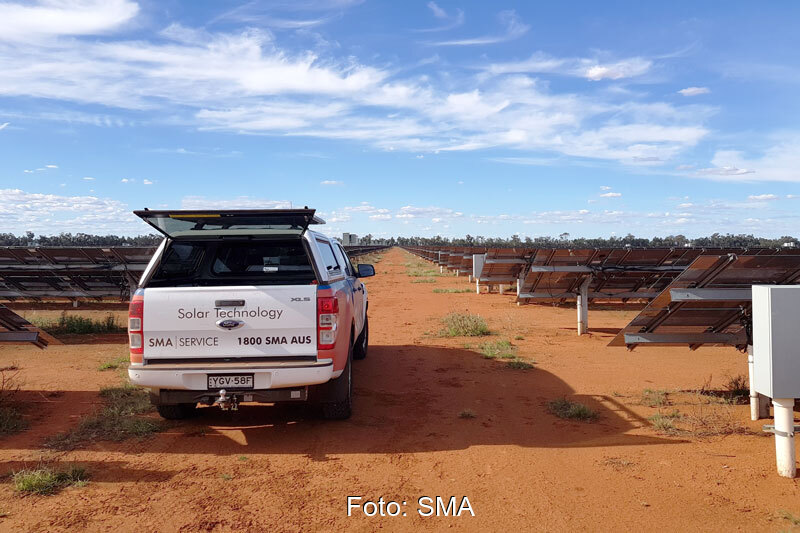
429,213
620,69
22,211
51,166
591,69
241,202
611,195
244,82
147,182
53,18
27,171
449,21
331,182
729,170
779,162
4,125
763,197
380,217
694,91
438,12
88,178
514,28
126,180
605,188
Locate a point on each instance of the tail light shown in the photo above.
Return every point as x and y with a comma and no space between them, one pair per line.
135,323
327,311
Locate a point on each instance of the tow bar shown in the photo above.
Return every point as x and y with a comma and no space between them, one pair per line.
227,403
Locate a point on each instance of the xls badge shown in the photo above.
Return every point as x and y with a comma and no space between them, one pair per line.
229,324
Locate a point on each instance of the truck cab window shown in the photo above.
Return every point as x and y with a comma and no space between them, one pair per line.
328,257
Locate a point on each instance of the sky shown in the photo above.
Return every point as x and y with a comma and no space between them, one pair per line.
404,118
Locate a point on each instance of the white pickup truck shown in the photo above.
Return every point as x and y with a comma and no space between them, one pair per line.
247,306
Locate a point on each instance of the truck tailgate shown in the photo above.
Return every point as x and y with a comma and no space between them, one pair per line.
230,322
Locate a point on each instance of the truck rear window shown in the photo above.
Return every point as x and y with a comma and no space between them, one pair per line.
231,263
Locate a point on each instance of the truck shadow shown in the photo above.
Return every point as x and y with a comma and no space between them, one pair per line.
407,398
422,398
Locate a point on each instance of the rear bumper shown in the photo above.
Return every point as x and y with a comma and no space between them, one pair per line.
265,376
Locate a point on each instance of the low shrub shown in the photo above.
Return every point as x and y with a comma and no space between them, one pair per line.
464,325
79,325
452,291
654,398
44,480
116,421
501,349
564,408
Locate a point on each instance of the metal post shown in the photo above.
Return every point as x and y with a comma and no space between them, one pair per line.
754,407
502,289
763,406
583,307
477,286
784,436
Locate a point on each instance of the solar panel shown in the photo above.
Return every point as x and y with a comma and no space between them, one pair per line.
503,265
558,274
613,273
354,251
14,328
70,272
710,302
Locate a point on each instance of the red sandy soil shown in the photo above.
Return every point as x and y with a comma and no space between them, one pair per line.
281,468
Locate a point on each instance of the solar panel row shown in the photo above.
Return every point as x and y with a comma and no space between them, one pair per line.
624,274
70,272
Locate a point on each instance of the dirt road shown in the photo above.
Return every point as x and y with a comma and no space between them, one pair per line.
521,468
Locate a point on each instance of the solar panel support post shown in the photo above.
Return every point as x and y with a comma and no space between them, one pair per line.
759,403
583,306
784,436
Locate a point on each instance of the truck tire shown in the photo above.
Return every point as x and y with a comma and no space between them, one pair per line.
362,343
341,408
176,411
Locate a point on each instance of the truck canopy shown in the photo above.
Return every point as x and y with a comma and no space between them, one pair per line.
194,224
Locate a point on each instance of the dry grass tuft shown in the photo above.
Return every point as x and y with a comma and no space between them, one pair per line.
464,325
564,408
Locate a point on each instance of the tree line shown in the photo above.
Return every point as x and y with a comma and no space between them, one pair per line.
716,240
78,239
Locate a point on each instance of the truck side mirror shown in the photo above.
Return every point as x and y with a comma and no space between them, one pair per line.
365,271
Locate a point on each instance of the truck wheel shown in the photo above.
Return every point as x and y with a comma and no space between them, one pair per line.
342,409
362,343
176,411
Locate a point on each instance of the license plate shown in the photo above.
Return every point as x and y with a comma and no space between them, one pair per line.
230,381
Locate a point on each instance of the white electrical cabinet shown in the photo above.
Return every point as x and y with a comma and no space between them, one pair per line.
477,264
776,340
